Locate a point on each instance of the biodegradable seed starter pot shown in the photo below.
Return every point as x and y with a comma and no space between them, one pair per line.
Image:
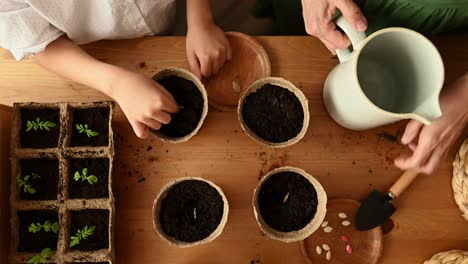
274,112
289,204
190,211
191,96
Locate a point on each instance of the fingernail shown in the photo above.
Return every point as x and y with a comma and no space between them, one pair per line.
361,25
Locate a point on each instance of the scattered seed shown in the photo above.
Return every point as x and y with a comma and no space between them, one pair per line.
328,256
324,224
346,223
342,215
195,213
181,107
326,247
318,250
344,238
328,229
285,198
349,249
236,87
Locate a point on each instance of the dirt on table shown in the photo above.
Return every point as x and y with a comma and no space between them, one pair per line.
191,211
273,113
43,178
91,217
98,167
36,242
287,201
189,99
97,120
40,138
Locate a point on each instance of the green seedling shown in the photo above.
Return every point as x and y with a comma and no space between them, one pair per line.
82,234
85,129
85,177
26,184
39,125
47,227
42,258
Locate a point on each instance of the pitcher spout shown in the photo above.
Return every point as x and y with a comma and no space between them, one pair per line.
428,112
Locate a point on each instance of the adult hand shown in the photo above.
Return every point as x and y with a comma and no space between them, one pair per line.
145,103
318,19
431,143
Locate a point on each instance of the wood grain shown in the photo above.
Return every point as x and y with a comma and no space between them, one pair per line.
5,128
348,164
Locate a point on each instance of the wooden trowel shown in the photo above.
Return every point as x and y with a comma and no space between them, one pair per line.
378,207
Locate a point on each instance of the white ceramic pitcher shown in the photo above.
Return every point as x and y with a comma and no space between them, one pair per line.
393,74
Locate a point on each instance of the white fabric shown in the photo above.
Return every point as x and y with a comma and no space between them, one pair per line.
28,26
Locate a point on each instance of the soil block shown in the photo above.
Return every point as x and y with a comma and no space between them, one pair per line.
97,120
40,138
190,99
43,177
92,217
98,167
191,211
273,113
36,242
285,212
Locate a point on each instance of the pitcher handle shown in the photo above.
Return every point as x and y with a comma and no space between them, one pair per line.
355,37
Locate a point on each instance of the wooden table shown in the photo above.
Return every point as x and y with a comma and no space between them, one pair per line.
348,164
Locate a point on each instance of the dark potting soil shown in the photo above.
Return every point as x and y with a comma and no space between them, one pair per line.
36,242
300,206
43,177
40,138
177,215
97,120
98,218
273,113
98,167
190,99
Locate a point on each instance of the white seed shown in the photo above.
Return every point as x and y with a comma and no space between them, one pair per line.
346,223
328,229
285,198
195,213
236,87
326,247
328,256
324,224
342,215
318,250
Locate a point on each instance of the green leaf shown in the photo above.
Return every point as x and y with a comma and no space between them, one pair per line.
92,179
36,176
29,189
49,124
33,228
55,227
77,176
75,240
38,120
85,171
43,257
26,178
86,126
35,126
29,125
19,181
93,133
46,226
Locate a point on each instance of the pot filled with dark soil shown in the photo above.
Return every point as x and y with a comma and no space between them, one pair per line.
89,230
37,178
90,125
39,126
190,95
38,229
289,204
88,178
190,211
274,112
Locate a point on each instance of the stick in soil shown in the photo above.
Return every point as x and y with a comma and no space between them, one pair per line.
285,198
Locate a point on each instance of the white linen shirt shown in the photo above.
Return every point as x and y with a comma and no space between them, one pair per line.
28,26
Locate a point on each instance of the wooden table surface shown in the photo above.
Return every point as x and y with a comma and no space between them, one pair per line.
348,164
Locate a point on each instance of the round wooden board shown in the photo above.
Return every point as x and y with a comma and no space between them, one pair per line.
249,63
367,246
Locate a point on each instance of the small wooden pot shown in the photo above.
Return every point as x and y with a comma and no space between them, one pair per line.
257,85
172,241
311,227
182,73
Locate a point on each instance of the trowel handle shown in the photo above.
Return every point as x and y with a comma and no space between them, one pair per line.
403,182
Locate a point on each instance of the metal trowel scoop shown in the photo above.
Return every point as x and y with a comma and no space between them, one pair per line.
378,207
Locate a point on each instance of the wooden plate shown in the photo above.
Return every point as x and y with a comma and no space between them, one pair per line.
366,246
249,63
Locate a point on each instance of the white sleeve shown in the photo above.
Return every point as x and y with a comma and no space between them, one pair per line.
24,31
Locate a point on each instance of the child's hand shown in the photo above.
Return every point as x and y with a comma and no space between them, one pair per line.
145,103
207,49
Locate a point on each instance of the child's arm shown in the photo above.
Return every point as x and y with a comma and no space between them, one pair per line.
207,46
144,102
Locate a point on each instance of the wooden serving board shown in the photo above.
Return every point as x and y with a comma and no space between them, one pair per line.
348,164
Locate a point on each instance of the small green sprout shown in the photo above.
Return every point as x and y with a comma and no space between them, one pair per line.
38,124
85,129
47,227
82,234
84,176
42,258
26,184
